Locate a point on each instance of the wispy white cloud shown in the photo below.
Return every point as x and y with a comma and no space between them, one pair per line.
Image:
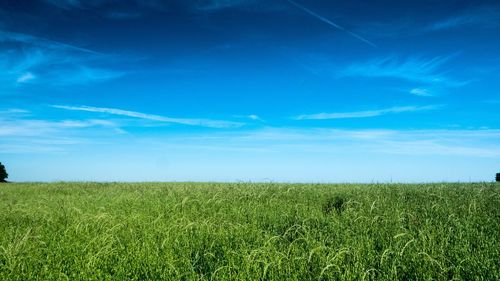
208,6
184,121
15,110
485,16
477,18
482,143
119,15
365,114
16,113
65,4
22,132
212,5
51,137
85,4
114,9
26,77
472,143
331,23
422,76
253,117
414,69
9,37
29,59
132,9
420,92
35,127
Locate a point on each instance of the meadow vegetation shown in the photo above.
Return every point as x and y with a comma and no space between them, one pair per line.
249,231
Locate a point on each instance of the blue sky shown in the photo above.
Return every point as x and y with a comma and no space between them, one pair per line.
250,90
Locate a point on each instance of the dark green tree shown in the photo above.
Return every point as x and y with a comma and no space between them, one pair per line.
3,173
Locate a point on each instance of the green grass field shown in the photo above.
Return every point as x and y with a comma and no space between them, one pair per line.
209,231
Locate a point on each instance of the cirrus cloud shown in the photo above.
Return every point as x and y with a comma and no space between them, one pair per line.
183,121
367,113
26,58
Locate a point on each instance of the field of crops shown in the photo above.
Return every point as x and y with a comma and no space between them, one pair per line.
210,231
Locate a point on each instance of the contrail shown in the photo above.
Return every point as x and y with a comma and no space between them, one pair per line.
330,22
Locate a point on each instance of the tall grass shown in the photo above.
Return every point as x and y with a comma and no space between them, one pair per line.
210,231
